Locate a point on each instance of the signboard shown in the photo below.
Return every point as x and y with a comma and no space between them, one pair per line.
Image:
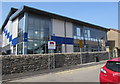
51,45
81,43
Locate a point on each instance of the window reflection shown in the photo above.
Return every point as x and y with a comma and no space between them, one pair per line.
20,24
20,35
20,48
90,36
36,34
39,31
78,31
36,46
30,47
30,34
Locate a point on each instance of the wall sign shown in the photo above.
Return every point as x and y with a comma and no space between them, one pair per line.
51,45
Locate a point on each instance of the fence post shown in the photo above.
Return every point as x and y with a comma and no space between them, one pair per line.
49,61
53,60
81,57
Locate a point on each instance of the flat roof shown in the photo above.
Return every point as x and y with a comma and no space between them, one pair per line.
14,14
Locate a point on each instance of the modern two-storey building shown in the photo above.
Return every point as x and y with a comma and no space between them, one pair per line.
27,31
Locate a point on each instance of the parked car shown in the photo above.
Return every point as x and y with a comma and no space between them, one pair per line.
110,72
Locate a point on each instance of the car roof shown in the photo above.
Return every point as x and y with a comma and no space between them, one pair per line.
115,59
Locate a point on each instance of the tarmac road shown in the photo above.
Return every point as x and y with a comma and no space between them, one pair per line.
85,74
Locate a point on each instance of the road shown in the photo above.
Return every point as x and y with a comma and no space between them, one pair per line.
86,74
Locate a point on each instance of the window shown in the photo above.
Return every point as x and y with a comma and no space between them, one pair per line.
30,47
20,35
20,48
78,35
20,24
97,34
114,66
74,31
36,46
58,48
76,48
75,37
38,32
31,21
36,19
20,29
30,34
88,33
78,31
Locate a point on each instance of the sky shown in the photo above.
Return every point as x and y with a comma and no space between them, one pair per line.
104,14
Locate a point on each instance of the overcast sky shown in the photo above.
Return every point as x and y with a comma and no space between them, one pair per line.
104,14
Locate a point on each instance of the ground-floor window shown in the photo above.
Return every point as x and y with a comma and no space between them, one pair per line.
20,48
76,48
37,47
58,48
87,48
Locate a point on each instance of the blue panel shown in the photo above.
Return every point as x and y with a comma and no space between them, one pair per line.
69,41
8,35
14,41
62,40
58,40
10,38
25,38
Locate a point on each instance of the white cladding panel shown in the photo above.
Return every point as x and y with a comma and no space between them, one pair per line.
58,27
15,28
63,48
5,41
69,30
8,28
58,30
69,48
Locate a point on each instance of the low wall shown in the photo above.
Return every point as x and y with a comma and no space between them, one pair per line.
23,63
